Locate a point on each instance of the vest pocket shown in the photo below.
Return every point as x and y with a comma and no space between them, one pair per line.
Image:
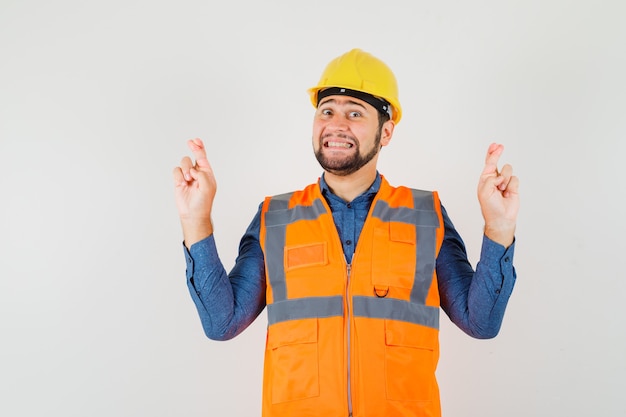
395,249
299,256
295,367
410,362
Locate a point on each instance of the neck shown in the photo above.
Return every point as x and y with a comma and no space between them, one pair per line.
349,187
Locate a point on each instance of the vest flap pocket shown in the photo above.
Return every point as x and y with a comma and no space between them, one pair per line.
402,250
402,232
404,334
300,256
410,362
395,248
292,332
293,360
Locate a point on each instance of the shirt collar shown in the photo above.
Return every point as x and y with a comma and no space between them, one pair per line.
367,194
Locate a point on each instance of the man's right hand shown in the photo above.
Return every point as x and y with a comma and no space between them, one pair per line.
195,189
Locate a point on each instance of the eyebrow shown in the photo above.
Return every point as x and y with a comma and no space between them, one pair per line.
332,100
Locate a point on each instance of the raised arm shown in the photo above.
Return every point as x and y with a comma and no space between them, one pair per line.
476,300
226,302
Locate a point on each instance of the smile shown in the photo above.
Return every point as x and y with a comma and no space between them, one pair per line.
332,144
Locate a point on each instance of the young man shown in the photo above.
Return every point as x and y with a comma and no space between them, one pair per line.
352,270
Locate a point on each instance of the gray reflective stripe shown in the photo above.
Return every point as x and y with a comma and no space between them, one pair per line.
280,201
278,215
426,220
394,309
423,200
425,266
274,246
427,242
305,308
418,217
277,218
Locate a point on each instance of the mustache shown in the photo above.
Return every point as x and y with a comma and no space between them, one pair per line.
339,135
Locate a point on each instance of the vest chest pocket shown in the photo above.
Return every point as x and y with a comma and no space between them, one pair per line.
395,248
410,362
294,360
300,256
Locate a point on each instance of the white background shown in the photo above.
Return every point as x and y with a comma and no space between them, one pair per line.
97,100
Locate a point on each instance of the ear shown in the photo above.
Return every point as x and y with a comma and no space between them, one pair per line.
386,132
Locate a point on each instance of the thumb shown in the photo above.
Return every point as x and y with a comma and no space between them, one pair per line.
203,179
198,176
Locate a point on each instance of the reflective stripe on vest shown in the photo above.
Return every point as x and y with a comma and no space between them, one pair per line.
277,218
422,216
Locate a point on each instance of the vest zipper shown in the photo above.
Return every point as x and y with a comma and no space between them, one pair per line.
349,358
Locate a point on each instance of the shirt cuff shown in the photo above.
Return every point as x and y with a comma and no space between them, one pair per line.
201,255
493,253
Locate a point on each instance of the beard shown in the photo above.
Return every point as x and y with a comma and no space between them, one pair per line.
351,163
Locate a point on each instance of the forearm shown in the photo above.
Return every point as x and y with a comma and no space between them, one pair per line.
195,230
226,303
502,234
475,300
490,289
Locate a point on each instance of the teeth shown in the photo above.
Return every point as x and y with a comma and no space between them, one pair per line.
338,145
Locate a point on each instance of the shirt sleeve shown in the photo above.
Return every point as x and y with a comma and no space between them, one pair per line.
227,303
474,300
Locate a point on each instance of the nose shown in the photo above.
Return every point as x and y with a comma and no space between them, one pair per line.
338,122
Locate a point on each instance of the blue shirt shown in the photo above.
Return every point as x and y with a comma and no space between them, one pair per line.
227,303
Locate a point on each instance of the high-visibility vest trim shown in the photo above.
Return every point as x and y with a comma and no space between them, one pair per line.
305,308
277,218
375,308
278,215
418,217
393,309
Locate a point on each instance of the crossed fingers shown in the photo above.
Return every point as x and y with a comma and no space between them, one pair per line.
503,180
187,171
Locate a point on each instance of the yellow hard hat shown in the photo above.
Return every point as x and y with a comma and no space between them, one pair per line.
361,72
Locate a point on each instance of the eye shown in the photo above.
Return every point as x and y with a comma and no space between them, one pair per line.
354,114
326,112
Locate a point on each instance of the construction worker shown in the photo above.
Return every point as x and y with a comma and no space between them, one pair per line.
353,271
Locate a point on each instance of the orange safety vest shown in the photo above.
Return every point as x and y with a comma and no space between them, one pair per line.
357,339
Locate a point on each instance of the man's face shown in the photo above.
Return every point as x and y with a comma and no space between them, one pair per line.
346,135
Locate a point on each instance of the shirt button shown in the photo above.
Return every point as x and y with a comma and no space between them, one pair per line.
498,291
348,242
507,259
349,205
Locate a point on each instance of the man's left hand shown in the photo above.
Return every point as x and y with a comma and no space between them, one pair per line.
498,197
